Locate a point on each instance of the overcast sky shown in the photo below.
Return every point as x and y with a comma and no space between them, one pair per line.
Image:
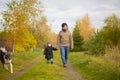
69,11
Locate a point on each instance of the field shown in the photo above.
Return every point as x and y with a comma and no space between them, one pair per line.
105,67
32,66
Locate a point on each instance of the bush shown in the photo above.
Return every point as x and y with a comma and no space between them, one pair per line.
95,45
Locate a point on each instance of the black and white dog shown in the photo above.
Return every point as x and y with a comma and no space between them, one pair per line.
6,58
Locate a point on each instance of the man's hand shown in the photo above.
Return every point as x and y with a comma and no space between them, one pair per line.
71,47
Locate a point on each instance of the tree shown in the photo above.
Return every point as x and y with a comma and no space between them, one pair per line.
77,39
18,20
53,39
111,31
86,28
42,32
96,45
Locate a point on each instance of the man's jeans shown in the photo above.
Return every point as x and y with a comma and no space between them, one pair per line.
64,50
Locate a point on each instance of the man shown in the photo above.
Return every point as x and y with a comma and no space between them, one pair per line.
65,42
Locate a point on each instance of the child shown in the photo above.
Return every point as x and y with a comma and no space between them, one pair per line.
48,52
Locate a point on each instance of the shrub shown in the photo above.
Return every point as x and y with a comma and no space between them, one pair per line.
95,45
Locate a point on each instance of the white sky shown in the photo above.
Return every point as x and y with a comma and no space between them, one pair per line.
69,11
59,11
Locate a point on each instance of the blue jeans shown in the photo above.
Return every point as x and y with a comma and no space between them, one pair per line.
64,50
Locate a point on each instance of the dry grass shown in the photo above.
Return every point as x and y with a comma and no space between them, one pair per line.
105,67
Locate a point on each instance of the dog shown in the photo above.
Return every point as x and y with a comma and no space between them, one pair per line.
6,58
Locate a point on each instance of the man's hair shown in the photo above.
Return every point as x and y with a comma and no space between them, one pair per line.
64,24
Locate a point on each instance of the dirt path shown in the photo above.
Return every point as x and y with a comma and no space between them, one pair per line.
19,73
73,74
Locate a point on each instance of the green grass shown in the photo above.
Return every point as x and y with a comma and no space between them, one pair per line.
43,71
20,60
90,67
95,68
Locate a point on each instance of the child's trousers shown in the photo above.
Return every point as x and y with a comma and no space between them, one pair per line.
50,61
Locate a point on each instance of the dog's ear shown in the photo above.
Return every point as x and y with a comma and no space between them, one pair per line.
3,50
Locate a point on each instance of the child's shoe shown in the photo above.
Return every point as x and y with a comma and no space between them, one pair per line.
51,62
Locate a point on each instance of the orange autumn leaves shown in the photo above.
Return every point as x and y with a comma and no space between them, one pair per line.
85,27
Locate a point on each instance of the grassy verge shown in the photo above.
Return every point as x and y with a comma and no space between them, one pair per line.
43,71
20,61
97,68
